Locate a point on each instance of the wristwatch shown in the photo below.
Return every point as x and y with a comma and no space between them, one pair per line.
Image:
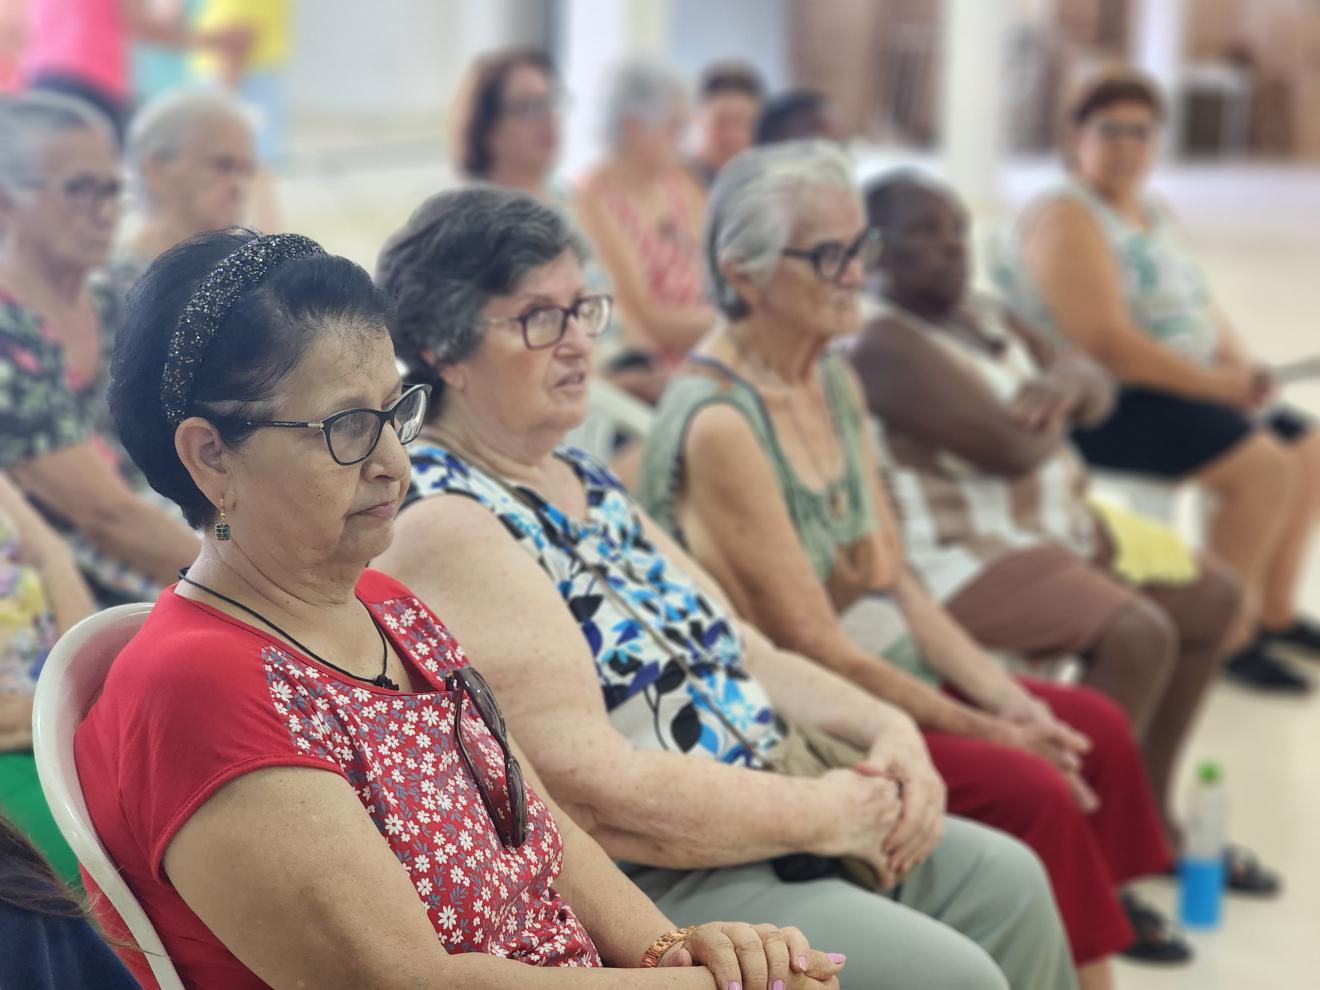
651,959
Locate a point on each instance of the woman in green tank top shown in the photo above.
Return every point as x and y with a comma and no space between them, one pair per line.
760,464
1099,263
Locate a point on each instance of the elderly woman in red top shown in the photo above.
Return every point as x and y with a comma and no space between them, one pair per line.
299,774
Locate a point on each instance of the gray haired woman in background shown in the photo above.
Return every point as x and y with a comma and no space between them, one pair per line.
643,212
191,158
651,706
60,190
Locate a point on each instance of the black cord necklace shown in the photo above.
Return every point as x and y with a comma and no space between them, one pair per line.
380,680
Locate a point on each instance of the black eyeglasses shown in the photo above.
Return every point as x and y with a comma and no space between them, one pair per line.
536,107
87,192
352,435
545,326
831,259
1116,130
507,807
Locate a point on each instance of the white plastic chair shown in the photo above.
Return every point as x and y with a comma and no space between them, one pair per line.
610,411
70,681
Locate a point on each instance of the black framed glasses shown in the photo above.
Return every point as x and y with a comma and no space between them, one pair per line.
352,435
1117,130
536,107
505,801
545,326
87,192
831,259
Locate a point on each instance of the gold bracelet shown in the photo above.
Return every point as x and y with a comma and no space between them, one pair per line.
651,958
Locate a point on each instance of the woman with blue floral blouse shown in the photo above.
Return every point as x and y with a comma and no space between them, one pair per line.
654,708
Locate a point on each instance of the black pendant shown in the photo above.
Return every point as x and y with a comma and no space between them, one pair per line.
380,680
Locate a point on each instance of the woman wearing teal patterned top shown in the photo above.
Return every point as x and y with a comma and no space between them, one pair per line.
1100,263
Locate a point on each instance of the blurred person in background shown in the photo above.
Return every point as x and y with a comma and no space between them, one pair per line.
81,47
975,410
507,123
798,115
190,160
13,34
49,943
653,710
41,596
60,191
1100,263
729,100
507,130
258,77
643,211
759,464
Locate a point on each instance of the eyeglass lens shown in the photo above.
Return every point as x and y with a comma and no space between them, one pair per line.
544,327
354,436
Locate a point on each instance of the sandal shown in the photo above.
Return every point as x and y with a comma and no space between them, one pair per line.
1245,874
1158,941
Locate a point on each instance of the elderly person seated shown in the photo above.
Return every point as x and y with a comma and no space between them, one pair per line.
49,942
643,212
799,115
975,409
59,204
1099,263
41,596
300,776
190,160
759,465
650,706
729,100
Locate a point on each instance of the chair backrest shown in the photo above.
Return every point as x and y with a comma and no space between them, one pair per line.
70,681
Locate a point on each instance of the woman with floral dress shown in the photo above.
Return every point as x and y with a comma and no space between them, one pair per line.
59,195
41,595
293,764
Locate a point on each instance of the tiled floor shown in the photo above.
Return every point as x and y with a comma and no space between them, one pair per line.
1258,233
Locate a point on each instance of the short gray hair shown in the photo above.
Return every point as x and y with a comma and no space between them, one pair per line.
643,89
29,122
457,251
164,126
757,199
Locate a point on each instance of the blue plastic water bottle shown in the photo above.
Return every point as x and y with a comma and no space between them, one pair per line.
1201,870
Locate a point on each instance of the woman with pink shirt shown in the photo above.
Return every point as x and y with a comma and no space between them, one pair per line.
81,47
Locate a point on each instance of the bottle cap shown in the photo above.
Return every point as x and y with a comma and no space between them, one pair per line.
1210,772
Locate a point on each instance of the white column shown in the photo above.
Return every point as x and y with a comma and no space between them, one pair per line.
1158,32
972,59
595,35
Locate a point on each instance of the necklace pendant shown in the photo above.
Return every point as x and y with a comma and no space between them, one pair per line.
838,503
381,680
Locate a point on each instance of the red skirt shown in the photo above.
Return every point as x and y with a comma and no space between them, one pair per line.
1087,856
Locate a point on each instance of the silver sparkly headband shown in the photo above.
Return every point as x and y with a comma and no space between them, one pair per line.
214,297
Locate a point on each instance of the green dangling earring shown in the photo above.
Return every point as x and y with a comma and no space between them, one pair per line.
222,527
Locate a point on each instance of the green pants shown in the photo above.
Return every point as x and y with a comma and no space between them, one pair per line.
24,804
977,915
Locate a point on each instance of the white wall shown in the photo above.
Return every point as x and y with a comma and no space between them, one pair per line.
706,31
397,58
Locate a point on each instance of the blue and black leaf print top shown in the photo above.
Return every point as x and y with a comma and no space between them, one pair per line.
651,699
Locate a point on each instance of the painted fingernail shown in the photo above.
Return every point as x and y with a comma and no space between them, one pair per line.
838,958
802,963
779,985
735,985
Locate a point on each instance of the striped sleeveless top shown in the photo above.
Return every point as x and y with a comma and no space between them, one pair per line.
957,518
